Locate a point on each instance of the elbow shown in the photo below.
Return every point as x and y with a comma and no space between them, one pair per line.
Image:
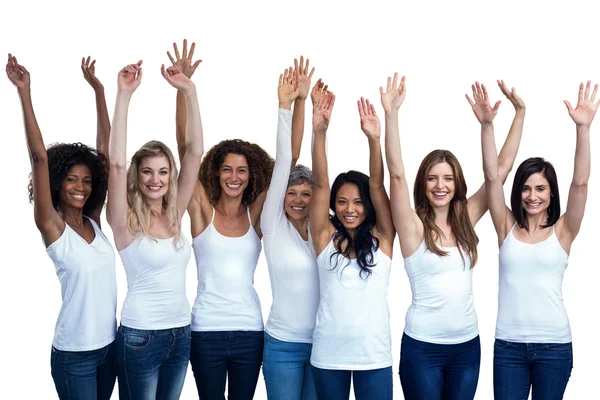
38,159
116,165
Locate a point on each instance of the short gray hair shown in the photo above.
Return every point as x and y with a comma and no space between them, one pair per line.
299,175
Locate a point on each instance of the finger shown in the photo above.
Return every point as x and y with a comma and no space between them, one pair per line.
485,92
295,63
580,95
402,84
192,48
474,89
389,84
587,90
176,51
395,82
312,71
306,67
593,98
82,63
196,65
363,104
303,68
373,110
138,76
479,93
139,63
369,107
569,106
285,76
185,53
360,110
381,90
496,106
170,58
325,88
91,67
280,79
471,102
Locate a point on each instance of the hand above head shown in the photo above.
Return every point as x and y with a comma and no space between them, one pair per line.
369,122
583,114
130,78
288,89
481,106
394,93
177,78
185,63
303,77
17,73
322,113
318,91
511,95
89,73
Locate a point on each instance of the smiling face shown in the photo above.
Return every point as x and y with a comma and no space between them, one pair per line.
234,175
76,186
535,194
349,207
297,201
440,185
154,174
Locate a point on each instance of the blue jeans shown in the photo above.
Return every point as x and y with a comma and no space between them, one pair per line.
83,375
373,384
215,355
439,371
287,371
151,364
543,367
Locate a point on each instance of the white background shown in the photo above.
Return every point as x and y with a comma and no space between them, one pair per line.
543,50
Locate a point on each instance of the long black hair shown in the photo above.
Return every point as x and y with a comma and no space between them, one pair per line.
526,169
363,243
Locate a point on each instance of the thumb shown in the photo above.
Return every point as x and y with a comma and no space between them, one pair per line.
496,106
569,106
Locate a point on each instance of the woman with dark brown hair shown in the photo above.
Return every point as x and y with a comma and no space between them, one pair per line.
440,351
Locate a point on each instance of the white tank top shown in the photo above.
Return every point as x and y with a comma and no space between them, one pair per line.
530,303
89,291
353,320
155,271
226,299
442,310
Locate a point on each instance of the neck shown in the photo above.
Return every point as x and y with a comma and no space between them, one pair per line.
72,216
155,205
301,226
230,206
535,222
441,215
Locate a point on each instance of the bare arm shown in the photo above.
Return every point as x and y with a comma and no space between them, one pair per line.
47,220
117,207
320,227
369,123
299,106
102,119
407,223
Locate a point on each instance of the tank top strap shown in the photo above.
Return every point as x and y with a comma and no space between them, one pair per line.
512,229
249,219
212,219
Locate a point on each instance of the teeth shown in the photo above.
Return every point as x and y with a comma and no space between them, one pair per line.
350,218
233,186
298,208
154,187
79,196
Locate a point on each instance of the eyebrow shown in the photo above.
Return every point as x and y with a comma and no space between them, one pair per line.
77,176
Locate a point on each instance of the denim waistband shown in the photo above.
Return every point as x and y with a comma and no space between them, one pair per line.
155,332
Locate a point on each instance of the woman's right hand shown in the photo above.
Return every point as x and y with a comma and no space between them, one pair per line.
482,109
322,113
184,63
17,74
288,89
394,94
129,78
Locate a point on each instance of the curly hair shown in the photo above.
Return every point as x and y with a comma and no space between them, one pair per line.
61,158
260,165
364,244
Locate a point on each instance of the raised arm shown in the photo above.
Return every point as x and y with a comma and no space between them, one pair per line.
303,78
102,120
194,142
477,203
583,115
116,210
369,123
273,214
47,220
493,190
407,223
320,227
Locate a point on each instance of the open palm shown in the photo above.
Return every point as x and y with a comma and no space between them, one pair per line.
583,114
369,122
184,63
394,94
322,113
482,109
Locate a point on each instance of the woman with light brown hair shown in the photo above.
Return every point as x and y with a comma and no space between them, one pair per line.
440,351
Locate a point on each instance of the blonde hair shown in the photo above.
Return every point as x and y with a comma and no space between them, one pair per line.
138,216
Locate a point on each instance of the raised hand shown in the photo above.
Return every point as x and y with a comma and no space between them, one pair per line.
583,114
511,95
89,73
130,78
303,78
17,73
185,63
177,78
288,89
481,106
369,123
394,93
318,91
322,113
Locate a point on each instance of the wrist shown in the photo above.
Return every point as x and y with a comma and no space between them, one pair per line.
99,90
300,99
189,91
25,91
520,112
583,127
286,105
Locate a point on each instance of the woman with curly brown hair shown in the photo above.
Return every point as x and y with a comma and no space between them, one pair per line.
227,324
68,187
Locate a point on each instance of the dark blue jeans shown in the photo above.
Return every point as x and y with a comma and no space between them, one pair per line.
543,367
151,364
83,375
287,370
372,384
216,355
439,371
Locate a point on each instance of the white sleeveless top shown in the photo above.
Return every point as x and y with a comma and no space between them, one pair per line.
89,291
226,299
442,310
155,271
530,303
353,320
292,260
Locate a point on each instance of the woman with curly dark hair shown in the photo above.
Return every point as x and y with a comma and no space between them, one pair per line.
352,338
227,325
68,187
